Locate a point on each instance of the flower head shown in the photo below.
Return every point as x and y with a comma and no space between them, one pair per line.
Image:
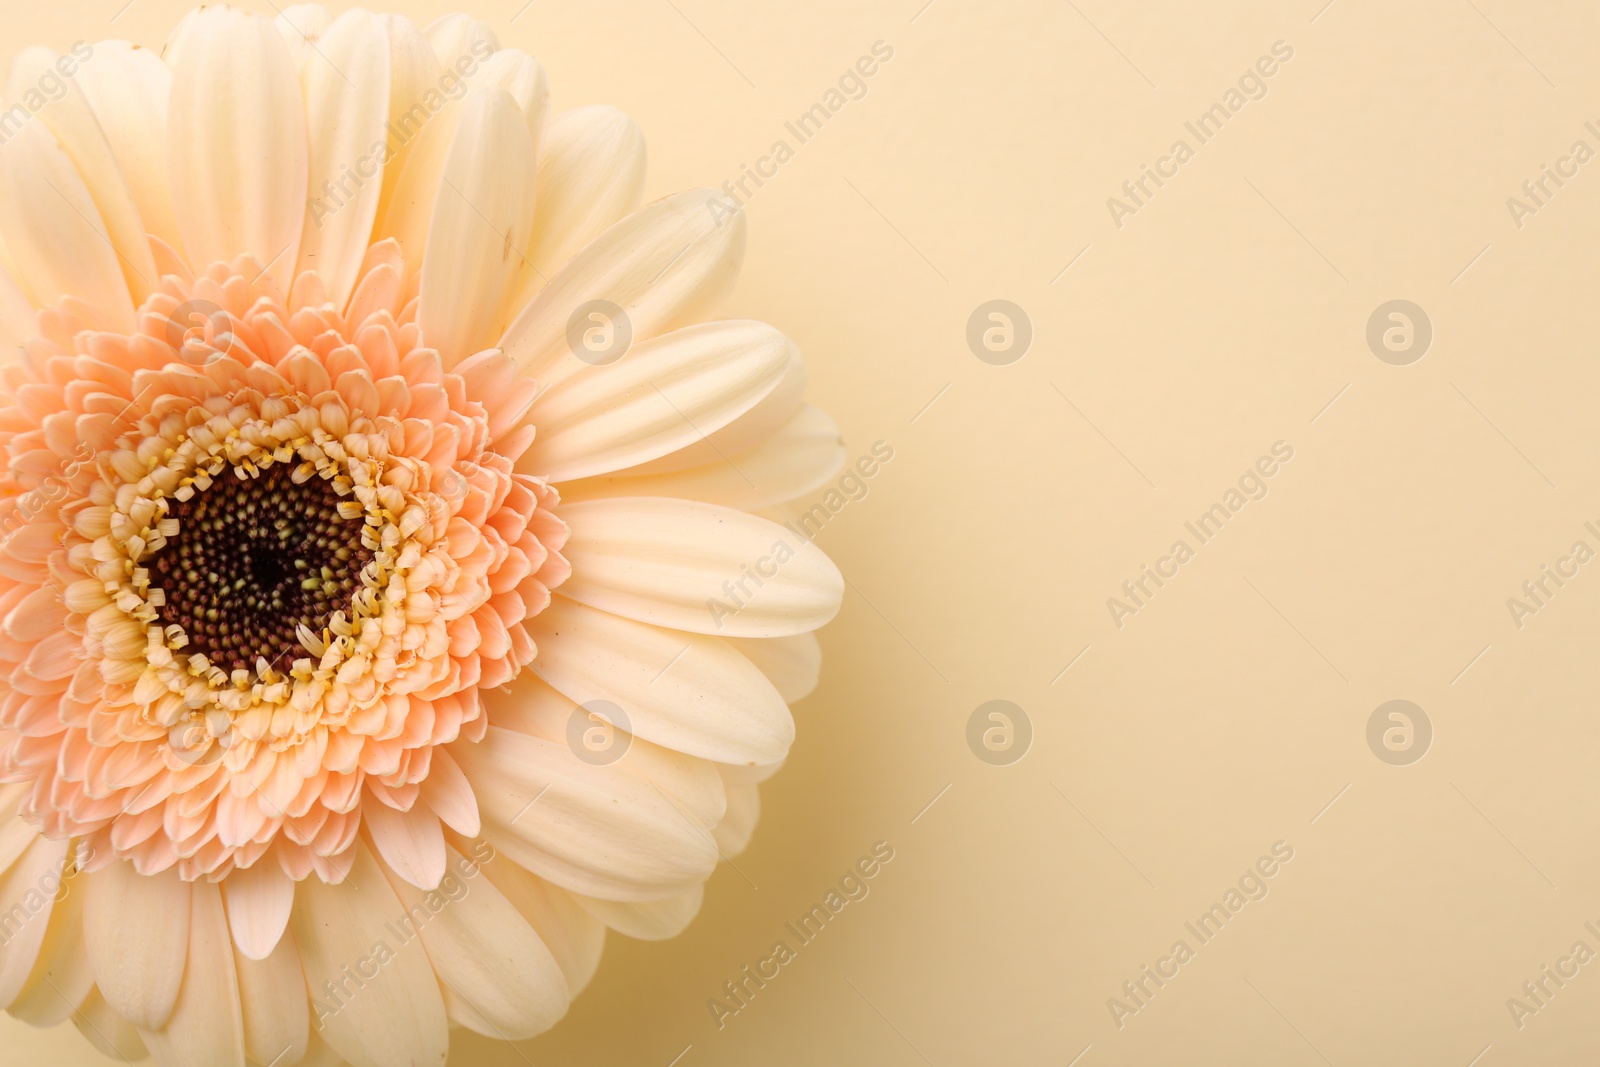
382,614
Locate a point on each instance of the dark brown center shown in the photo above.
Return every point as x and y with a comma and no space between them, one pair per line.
253,560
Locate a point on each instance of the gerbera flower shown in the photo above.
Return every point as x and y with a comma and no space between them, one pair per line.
382,611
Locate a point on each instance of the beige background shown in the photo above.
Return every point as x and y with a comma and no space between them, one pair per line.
1227,714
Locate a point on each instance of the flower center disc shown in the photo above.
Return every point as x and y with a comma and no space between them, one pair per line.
253,560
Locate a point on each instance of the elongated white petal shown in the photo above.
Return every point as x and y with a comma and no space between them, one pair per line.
802,457
237,126
685,691
16,833
664,395
259,899
461,41
594,829
447,791
733,833
62,976
407,211
697,567
481,218
138,966
793,664
206,1029
415,94
574,937
28,891
591,174
732,775
302,27
17,319
425,120
396,1016
108,1031
53,231
72,120
665,266
127,86
411,843
272,1002
346,88
754,426
522,76
320,1054
498,977
530,706
647,920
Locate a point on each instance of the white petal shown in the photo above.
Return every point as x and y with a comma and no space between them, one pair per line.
697,567
206,1029
665,266
319,1054
413,74
272,1002
53,231
128,88
62,976
71,119
594,829
138,966
432,86
664,395
793,664
572,935
750,429
686,691
16,833
447,791
259,898
648,920
407,211
108,1031
411,843
27,890
530,706
523,77
481,218
733,833
591,174
803,456
17,319
237,126
498,977
346,87
735,776
461,41
302,27
397,1016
